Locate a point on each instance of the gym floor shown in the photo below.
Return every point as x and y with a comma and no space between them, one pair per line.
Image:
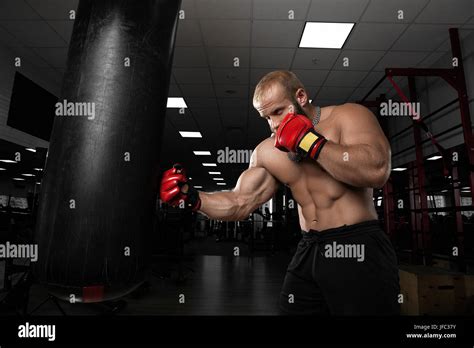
213,282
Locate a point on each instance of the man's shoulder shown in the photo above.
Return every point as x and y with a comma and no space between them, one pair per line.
267,145
261,151
349,110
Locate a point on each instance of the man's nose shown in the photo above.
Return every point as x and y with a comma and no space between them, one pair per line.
275,125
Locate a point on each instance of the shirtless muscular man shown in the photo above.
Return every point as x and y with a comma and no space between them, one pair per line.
331,158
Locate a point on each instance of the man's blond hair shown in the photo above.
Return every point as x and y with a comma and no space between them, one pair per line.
285,78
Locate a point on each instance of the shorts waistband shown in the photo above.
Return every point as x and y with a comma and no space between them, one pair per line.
342,231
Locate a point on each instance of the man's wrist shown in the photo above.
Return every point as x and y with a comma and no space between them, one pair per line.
311,144
193,201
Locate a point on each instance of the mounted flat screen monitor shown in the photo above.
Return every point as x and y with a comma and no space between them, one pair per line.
31,108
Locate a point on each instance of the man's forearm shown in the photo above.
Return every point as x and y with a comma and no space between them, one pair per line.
222,206
356,165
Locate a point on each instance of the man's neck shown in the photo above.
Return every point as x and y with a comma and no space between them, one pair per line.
311,112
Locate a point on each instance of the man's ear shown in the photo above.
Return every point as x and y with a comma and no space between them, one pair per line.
301,97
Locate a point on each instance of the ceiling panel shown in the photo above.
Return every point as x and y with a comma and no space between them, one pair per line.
277,58
34,33
311,77
358,60
336,93
200,103
232,117
63,28
55,56
311,90
371,79
240,104
228,9
186,57
192,75
12,10
230,76
28,57
225,33
181,121
197,90
257,74
374,36
206,118
433,60
447,11
276,33
53,9
232,91
359,93
313,58
225,57
189,33
388,10
174,91
8,39
336,10
338,78
398,59
280,9
422,37
189,9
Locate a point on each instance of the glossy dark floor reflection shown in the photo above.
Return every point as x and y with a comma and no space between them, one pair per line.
219,284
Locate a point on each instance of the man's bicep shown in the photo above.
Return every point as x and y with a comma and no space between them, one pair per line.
255,185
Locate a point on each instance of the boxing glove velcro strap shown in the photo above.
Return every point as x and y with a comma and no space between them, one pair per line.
311,144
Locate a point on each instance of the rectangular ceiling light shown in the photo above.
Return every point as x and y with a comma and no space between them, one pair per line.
202,153
399,169
30,149
325,35
176,103
215,173
197,186
434,158
209,165
185,134
19,179
27,174
218,179
221,183
2,169
8,161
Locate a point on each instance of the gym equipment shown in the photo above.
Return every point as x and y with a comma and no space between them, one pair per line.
97,198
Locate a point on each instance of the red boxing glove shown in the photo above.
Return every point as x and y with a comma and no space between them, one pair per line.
296,134
170,191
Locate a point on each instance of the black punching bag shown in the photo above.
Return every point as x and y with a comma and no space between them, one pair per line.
97,196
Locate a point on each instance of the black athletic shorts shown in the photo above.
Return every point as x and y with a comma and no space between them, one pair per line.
348,270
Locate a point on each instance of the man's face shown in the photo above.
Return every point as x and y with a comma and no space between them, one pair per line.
274,105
